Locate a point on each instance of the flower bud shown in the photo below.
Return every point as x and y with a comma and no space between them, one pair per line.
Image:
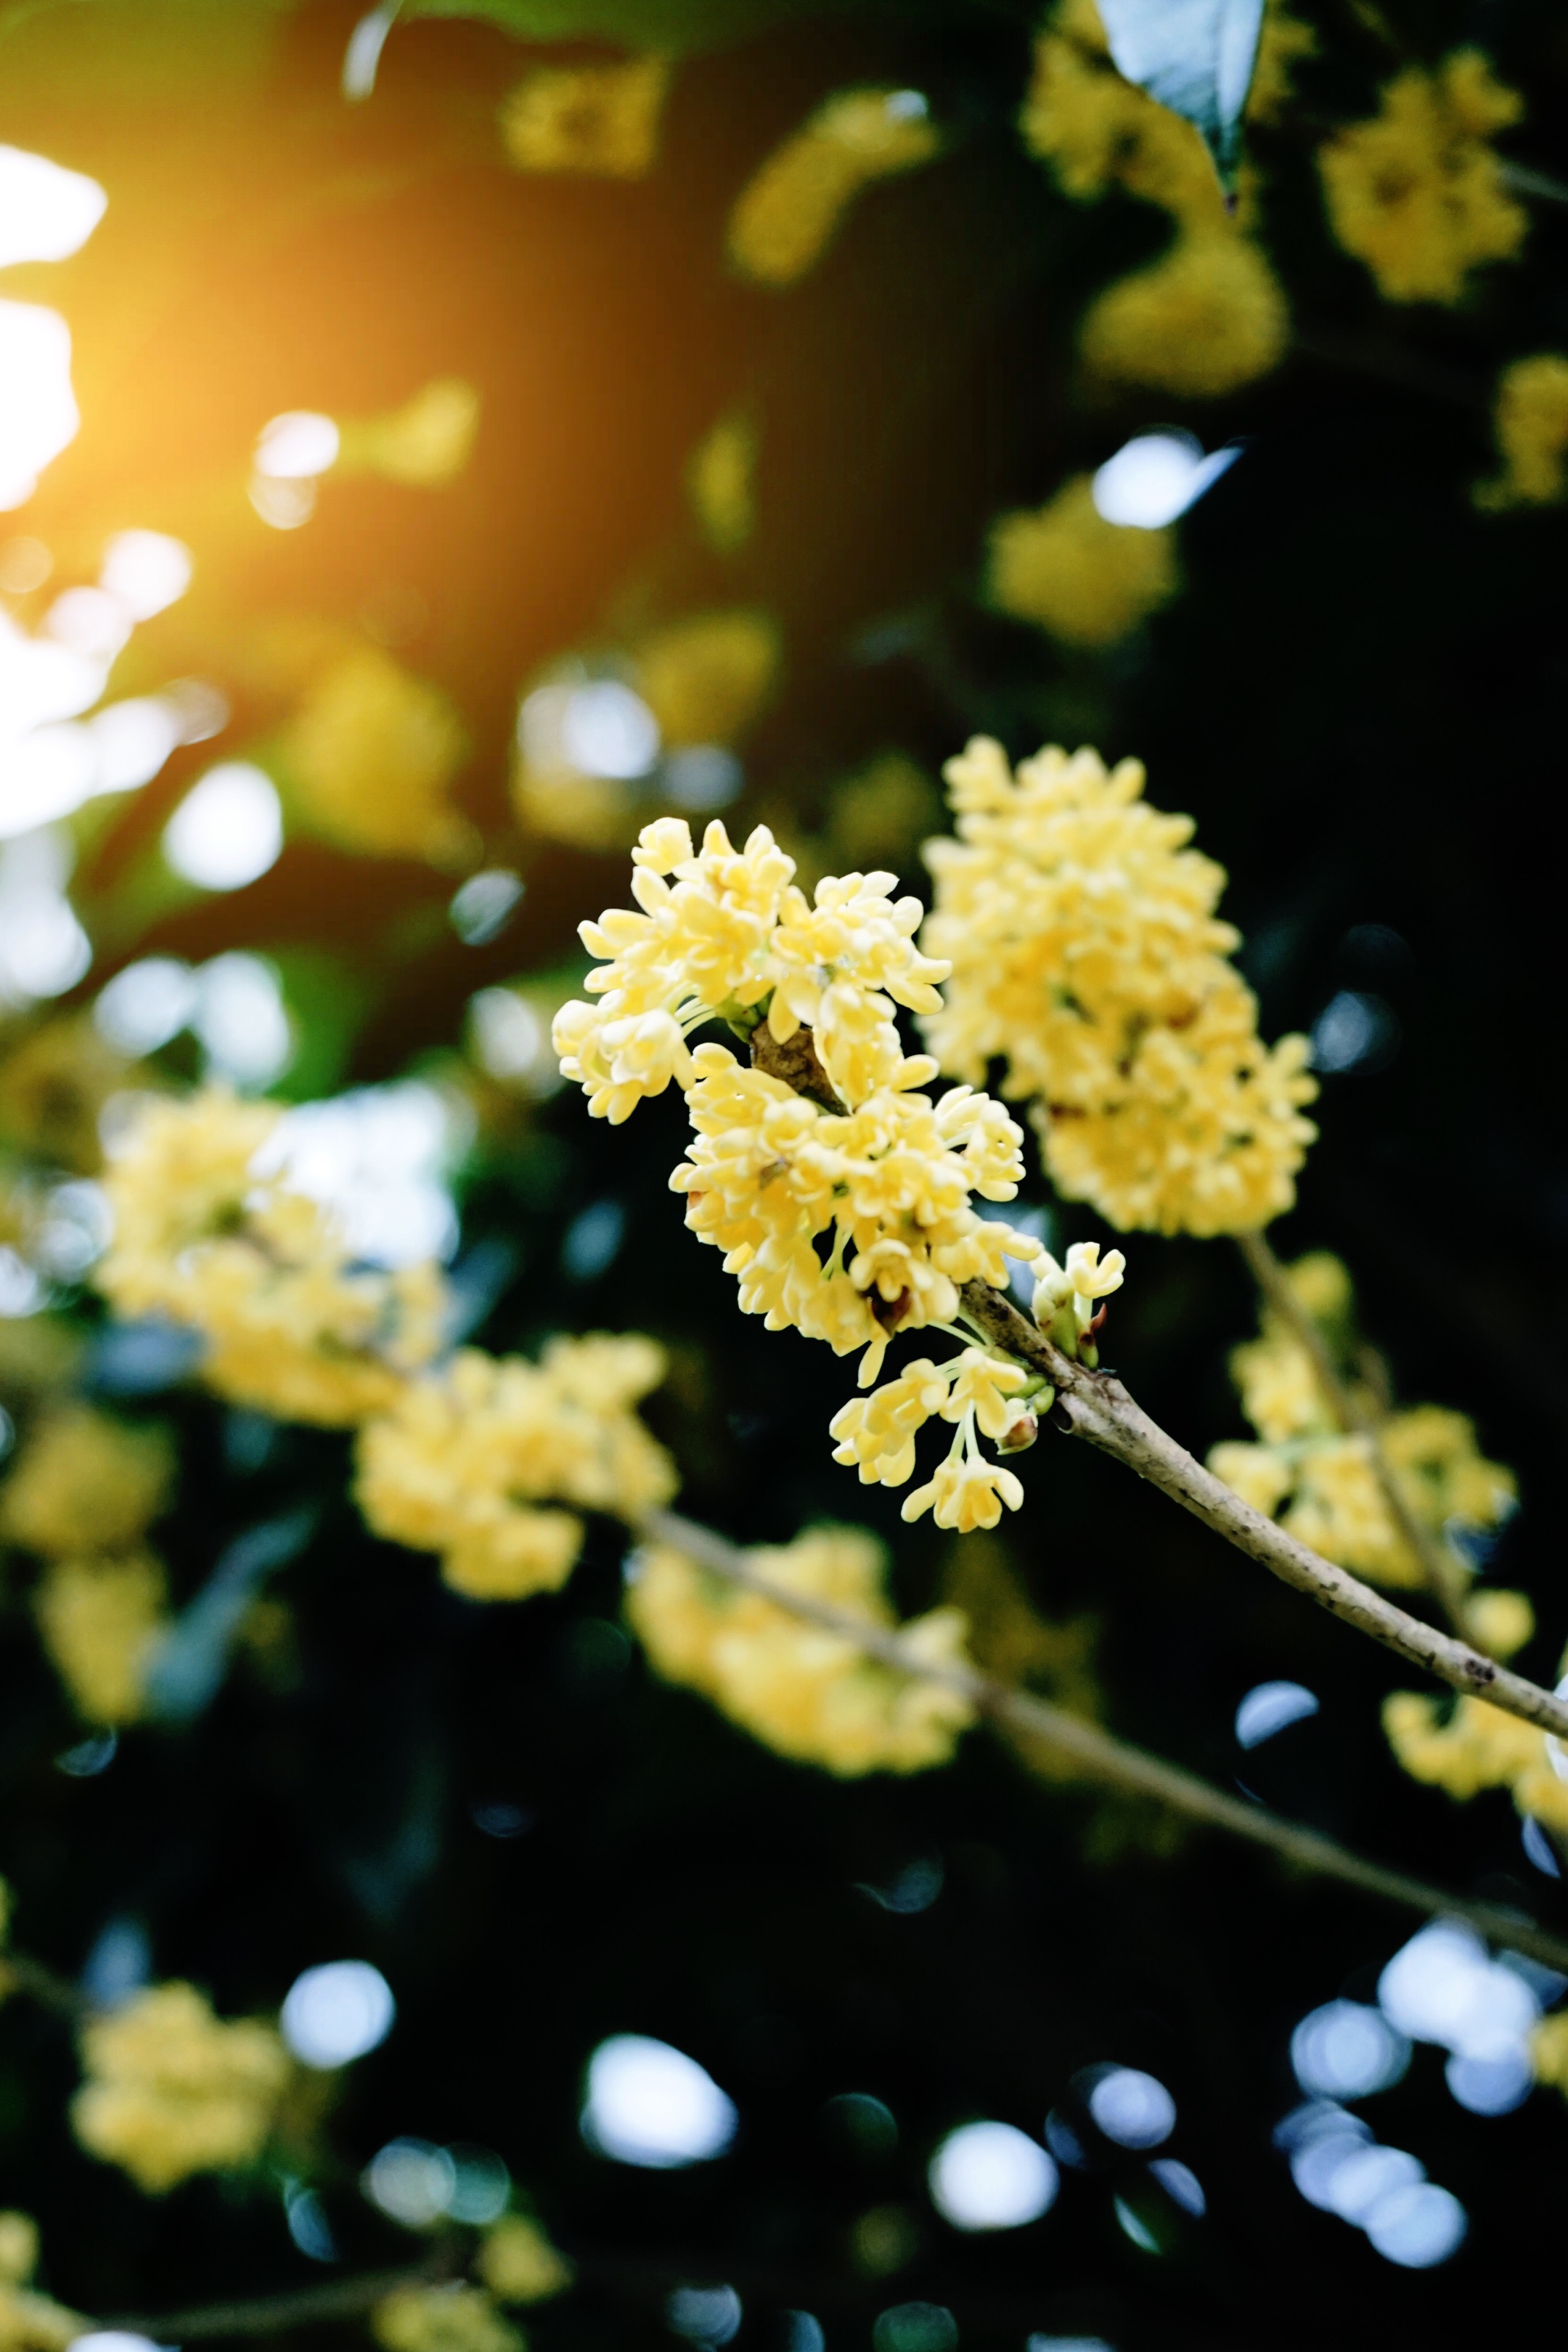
1021,1433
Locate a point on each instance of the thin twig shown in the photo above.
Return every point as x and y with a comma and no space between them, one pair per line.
1099,1408
43,1984
302,2307
1443,1577
1106,1759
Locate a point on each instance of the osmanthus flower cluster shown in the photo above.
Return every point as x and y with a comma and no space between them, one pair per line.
84,1490
1321,1483
1087,958
30,2322
1418,193
1209,314
474,1461
171,2089
208,1232
845,1210
800,1689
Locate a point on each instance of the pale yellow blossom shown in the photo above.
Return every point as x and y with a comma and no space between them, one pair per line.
706,677
1085,954
1207,318
787,213
1086,580
371,752
489,1461
517,2263
84,1482
808,1693
101,1620
1418,192
207,1235
170,2090
599,120
1530,420
1322,1482
451,2317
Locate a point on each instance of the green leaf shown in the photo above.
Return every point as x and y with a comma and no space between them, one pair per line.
1196,56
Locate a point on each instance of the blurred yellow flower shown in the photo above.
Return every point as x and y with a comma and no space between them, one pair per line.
29,2322
464,1461
1418,193
170,2090
371,750
602,119
1549,2050
53,1087
206,1235
424,445
786,214
1087,581
452,2317
722,479
85,1483
1530,420
1207,318
101,1619
517,2263
1327,1478
808,1693
706,677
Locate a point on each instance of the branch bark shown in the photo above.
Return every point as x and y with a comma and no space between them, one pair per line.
1097,1407
1115,1762
1445,1579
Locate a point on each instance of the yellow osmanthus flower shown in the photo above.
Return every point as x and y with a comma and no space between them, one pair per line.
475,1462
786,214
29,2322
1207,318
602,121
729,933
1209,315
517,2263
840,1194
1478,1747
425,444
372,752
808,1693
1418,193
722,479
208,1232
101,1620
1097,131
1549,2051
1085,953
1087,581
1530,420
1322,1482
171,2090
85,1483
452,2317
54,1085
705,678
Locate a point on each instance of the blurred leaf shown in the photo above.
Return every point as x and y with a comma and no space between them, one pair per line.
1196,56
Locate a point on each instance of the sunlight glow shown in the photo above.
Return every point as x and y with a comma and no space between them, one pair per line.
47,212
229,831
38,415
650,2105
